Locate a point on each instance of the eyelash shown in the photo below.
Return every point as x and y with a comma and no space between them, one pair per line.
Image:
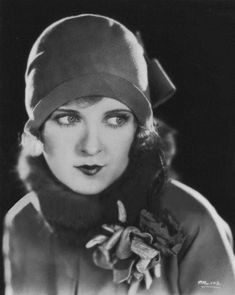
62,116
123,117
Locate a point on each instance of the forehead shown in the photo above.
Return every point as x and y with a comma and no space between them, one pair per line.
96,102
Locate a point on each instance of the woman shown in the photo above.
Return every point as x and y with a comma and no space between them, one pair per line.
101,216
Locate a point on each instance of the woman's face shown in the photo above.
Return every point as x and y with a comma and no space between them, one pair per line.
86,145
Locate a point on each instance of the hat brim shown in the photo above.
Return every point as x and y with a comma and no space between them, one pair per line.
99,84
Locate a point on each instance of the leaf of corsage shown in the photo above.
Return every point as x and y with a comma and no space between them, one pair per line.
170,220
176,248
142,249
148,223
97,240
164,249
162,241
170,247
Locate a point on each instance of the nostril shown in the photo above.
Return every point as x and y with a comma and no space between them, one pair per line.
90,146
90,151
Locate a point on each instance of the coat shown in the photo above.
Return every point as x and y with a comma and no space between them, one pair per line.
38,263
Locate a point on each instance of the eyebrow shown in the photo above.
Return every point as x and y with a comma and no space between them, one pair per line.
110,112
66,110
113,112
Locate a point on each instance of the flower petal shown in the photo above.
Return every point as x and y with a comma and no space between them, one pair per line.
122,217
142,265
135,254
154,261
134,287
109,228
101,258
122,273
157,270
123,250
139,276
113,240
148,279
147,237
142,249
96,241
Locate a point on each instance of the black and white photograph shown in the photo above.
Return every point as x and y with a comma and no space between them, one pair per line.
117,147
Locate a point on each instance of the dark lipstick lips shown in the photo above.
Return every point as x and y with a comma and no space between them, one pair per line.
90,170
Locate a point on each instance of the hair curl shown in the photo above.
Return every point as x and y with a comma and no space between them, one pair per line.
160,143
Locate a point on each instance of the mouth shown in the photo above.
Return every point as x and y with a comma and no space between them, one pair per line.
89,169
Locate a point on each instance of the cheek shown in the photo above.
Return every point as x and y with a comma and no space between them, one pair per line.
57,153
52,145
120,143
57,142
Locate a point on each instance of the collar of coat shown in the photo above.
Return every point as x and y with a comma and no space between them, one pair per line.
72,214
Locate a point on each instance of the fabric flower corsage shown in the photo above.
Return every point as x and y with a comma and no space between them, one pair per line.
134,254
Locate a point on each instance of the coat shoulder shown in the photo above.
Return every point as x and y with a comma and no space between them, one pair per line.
193,211
26,206
25,222
186,200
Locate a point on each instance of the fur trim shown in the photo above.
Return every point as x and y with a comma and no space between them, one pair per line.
70,212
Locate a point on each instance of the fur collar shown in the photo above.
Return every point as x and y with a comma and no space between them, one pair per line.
73,213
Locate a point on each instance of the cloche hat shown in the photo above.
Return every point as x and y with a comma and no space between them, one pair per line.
90,55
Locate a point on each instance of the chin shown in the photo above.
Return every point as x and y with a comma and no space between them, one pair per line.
89,190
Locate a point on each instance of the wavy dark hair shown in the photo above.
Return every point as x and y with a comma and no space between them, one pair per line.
160,143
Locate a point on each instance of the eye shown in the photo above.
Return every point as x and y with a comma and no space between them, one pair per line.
67,120
117,120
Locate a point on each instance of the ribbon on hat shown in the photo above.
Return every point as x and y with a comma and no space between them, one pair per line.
160,85
134,254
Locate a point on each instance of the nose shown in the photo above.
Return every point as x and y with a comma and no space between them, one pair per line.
90,142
